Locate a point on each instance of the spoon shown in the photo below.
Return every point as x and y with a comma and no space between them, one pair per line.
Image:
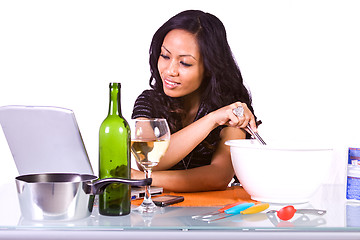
239,112
286,213
256,135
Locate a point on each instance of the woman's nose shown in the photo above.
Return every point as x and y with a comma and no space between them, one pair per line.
173,69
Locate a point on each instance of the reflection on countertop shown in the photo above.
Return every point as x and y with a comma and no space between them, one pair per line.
341,215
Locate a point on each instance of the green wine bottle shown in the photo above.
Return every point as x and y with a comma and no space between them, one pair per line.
114,157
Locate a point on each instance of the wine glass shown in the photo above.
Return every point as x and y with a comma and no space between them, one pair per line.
150,139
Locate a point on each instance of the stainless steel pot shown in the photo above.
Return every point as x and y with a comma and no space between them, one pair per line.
62,196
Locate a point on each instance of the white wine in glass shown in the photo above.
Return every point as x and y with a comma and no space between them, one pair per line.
150,139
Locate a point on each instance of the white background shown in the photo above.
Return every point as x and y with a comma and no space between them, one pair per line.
300,60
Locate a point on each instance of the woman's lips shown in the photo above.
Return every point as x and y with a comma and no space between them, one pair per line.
170,84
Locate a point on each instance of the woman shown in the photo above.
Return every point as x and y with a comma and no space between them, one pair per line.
195,84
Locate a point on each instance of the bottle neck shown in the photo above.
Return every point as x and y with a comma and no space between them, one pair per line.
114,102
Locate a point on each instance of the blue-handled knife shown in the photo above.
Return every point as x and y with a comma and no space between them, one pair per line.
238,208
232,211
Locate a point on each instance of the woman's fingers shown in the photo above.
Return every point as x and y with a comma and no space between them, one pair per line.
235,115
253,124
244,116
233,119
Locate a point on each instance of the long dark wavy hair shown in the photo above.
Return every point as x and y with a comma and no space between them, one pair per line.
222,84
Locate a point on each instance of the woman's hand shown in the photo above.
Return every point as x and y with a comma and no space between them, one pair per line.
226,116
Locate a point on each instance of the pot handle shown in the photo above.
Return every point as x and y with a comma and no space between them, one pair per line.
98,186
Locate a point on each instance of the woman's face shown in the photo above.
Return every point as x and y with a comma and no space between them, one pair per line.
180,63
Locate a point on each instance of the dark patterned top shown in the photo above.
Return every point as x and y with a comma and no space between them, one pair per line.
146,106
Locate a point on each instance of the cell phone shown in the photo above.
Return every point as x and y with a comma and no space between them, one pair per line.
167,200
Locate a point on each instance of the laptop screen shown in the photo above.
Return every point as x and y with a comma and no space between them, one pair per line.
44,140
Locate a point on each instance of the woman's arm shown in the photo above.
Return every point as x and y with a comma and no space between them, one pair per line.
215,176
185,140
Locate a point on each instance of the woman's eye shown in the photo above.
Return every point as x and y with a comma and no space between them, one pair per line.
186,64
164,56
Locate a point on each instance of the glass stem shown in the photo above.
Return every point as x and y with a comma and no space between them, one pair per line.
147,187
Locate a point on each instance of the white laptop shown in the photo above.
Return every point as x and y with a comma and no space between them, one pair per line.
48,140
44,140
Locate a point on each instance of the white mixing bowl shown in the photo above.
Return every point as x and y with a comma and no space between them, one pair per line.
280,173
